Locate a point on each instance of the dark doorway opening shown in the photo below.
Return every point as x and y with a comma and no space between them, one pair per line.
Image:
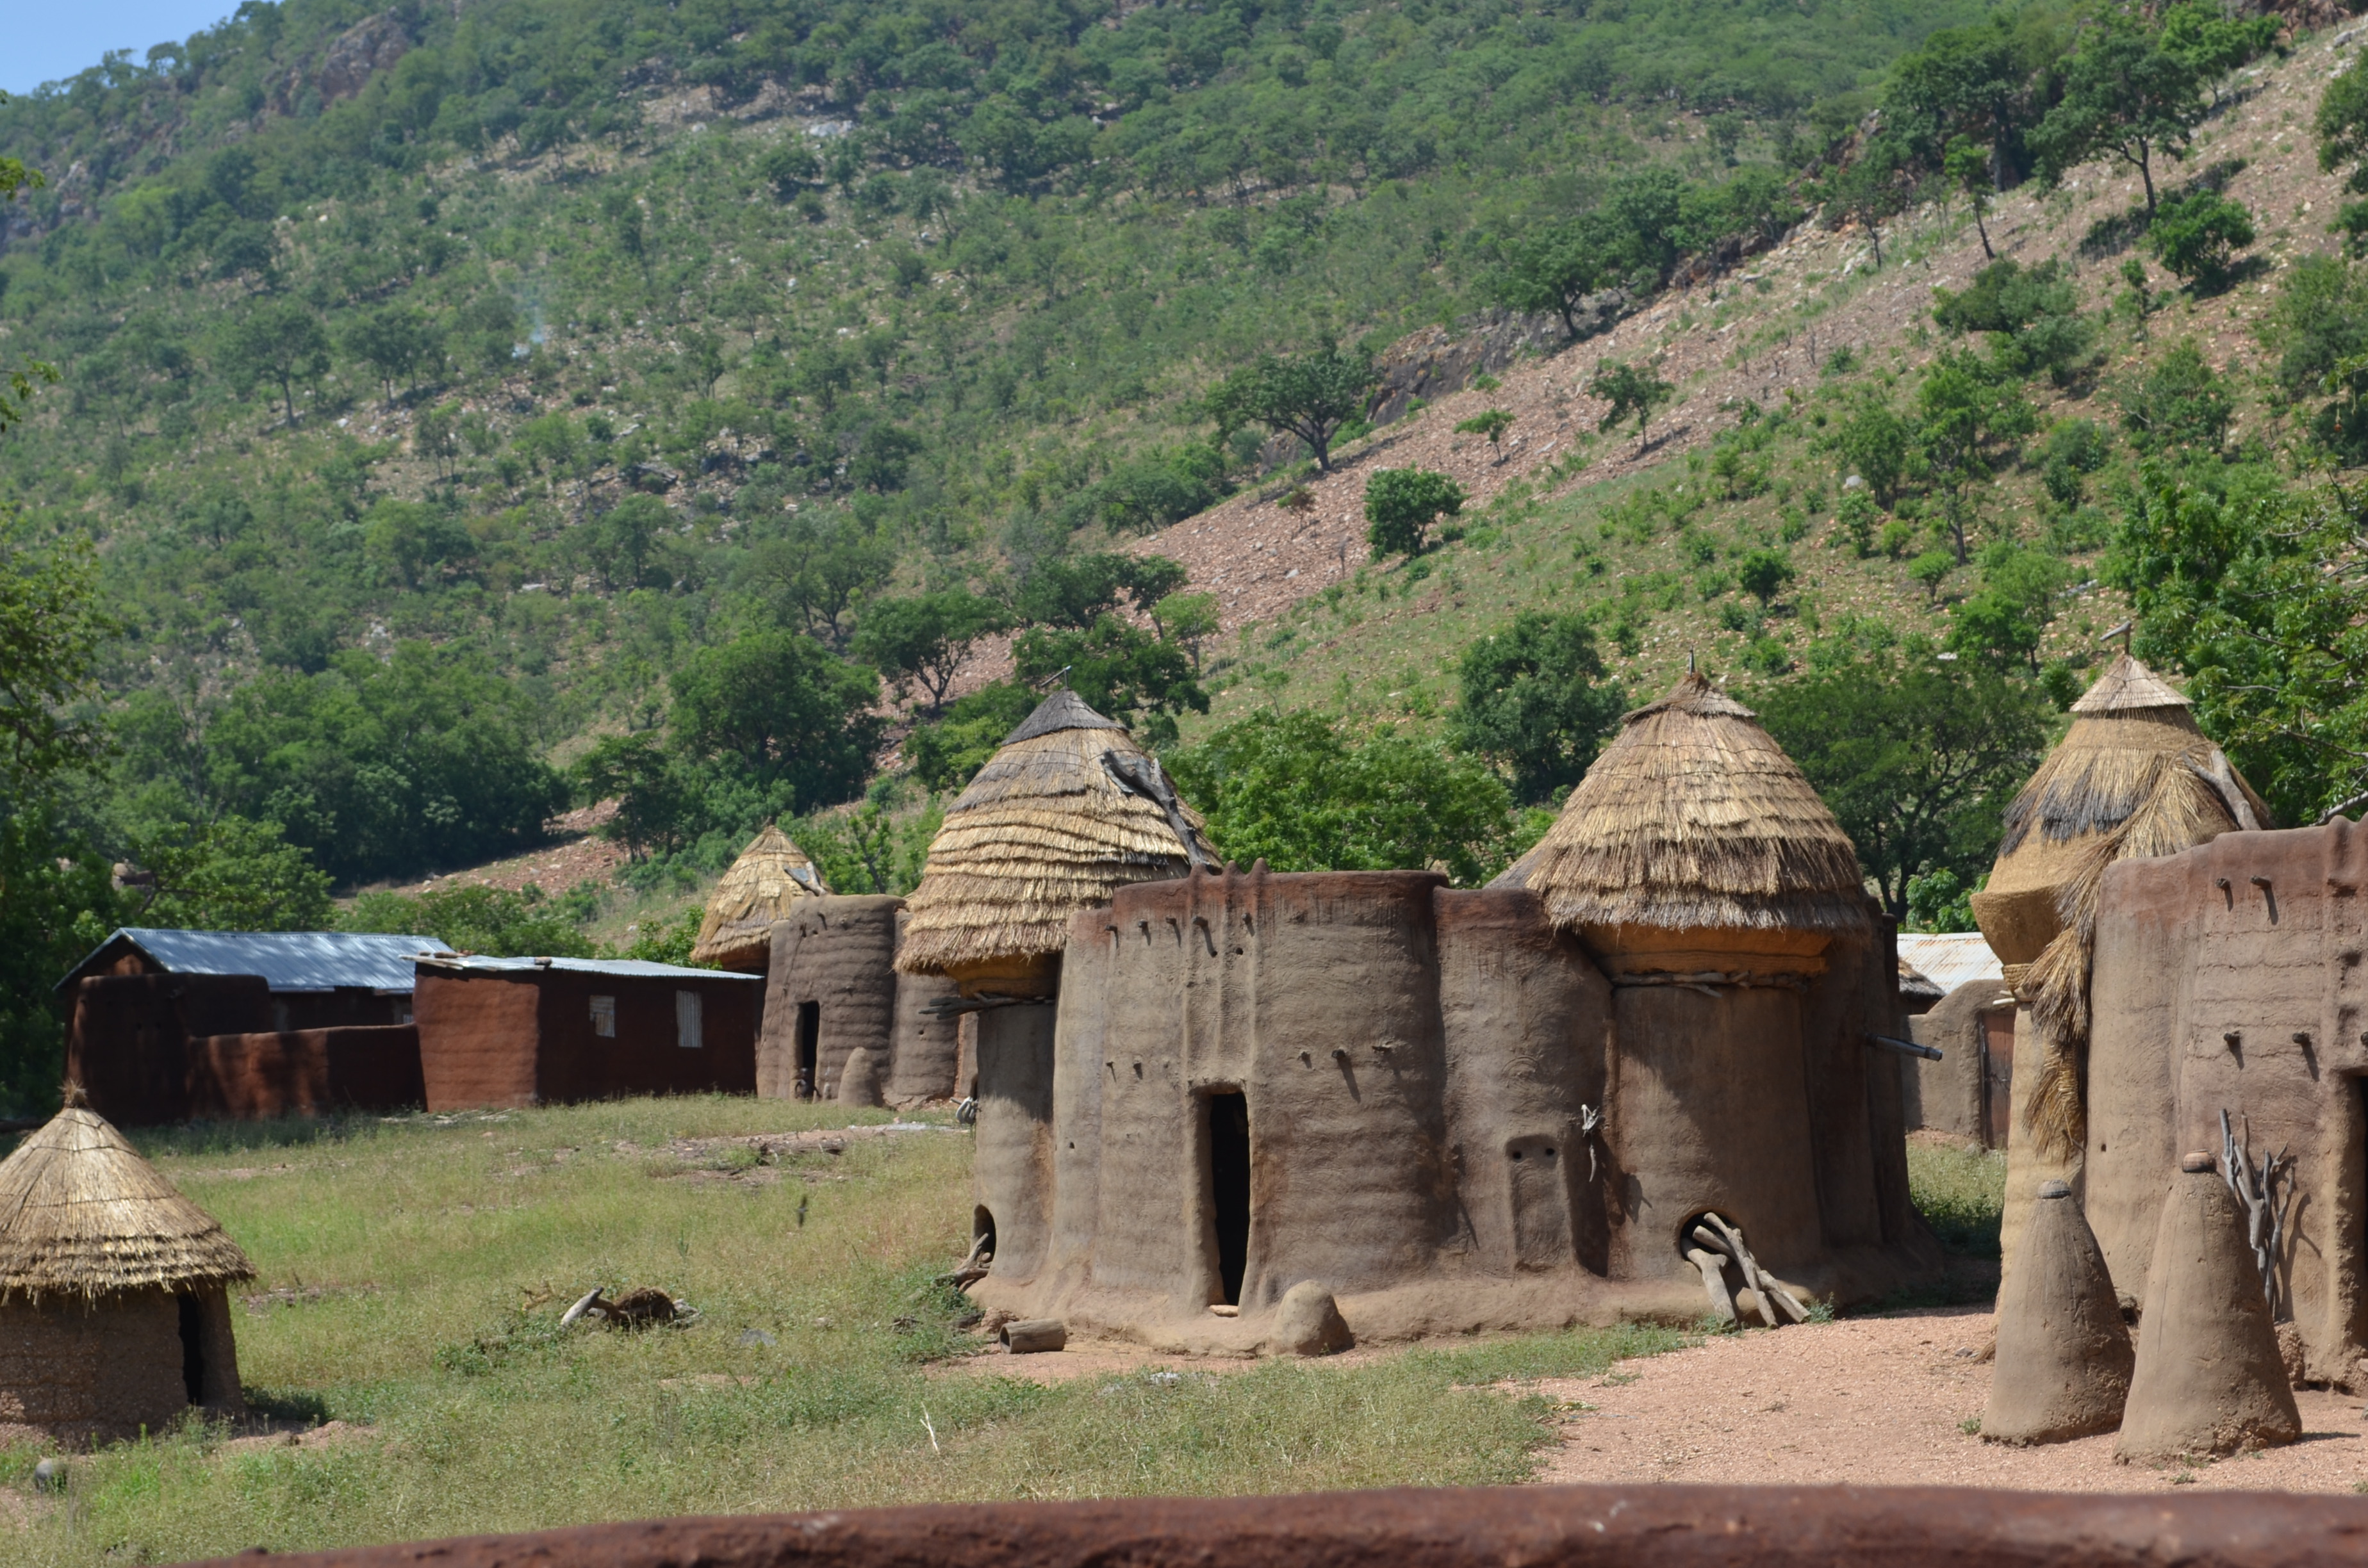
809,1046
1229,1186
982,1230
193,1348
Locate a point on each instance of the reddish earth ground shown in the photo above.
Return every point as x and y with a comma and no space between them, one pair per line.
1869,1400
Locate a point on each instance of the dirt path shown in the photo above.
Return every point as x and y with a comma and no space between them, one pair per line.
1879,1402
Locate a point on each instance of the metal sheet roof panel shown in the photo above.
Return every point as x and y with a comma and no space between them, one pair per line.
288,961
631,969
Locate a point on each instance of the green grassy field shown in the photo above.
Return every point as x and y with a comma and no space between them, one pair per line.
416,1271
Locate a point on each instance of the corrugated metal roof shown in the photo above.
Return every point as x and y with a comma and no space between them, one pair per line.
637,969
288,961
1951,959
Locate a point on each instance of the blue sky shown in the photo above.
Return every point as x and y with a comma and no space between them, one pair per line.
46,40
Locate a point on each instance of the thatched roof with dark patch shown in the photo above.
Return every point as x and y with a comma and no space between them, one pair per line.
1694,818
2133,778
2126,731
81,1213
1047,829
762,886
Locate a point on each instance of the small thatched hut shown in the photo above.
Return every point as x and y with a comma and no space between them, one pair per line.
2133,777
113,1311
766,885
1068,812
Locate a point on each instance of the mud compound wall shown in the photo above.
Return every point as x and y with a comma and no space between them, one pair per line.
306,1072
126,1042
478,1039
1528,1023
1367,1080
835,956
924,1054
1946,1095
95,1371
2229,977
1583,1527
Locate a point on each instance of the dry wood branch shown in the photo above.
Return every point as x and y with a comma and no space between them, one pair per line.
1713,1273
2265,1191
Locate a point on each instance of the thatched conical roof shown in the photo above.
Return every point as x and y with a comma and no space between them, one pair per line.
771,875
2134,777
1049,826
1693,818
81,1213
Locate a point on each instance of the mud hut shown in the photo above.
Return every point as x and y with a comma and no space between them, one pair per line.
1068,812
114,1315
1451,1111
2133,777
1725,905
771,880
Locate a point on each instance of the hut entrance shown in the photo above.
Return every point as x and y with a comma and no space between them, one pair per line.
193,1346
809,1046
1229,1186
1998,1075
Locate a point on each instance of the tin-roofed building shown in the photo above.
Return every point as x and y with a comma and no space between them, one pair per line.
167,1024
549,1031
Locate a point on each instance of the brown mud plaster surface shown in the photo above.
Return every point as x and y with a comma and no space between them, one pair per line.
1879,1401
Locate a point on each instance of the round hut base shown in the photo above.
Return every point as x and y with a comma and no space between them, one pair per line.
114,1367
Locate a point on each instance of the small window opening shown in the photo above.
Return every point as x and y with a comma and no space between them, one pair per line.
809,1046
690,1018
1229,1188
604,1016
982,1229
193,1348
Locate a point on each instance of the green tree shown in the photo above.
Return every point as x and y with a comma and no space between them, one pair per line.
2342,124
656,790
18,381
2180,401
1869,189
1121,670
2213,44
812,570
1874,443
1764,573
1535,703
2003,624
945,755
1400,506
396,341
2032,316
1932,569
229,874
2254,594
1965,418
779,710
1629,393
1492,423
2318,330
1304,793
281,342
2124,96
923,640
1309,396
1918,757
2196,236
493,921
1556,269
1187,620
1967,168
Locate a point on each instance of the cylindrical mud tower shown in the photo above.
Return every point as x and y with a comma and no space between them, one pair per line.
1701,871
830,992
1067,812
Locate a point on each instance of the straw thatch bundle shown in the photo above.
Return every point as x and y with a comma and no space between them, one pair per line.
1061,818
81,1213
1694,818
771,875
2133,778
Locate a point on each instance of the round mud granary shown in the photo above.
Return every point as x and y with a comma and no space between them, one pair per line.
114,1315
1727,910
